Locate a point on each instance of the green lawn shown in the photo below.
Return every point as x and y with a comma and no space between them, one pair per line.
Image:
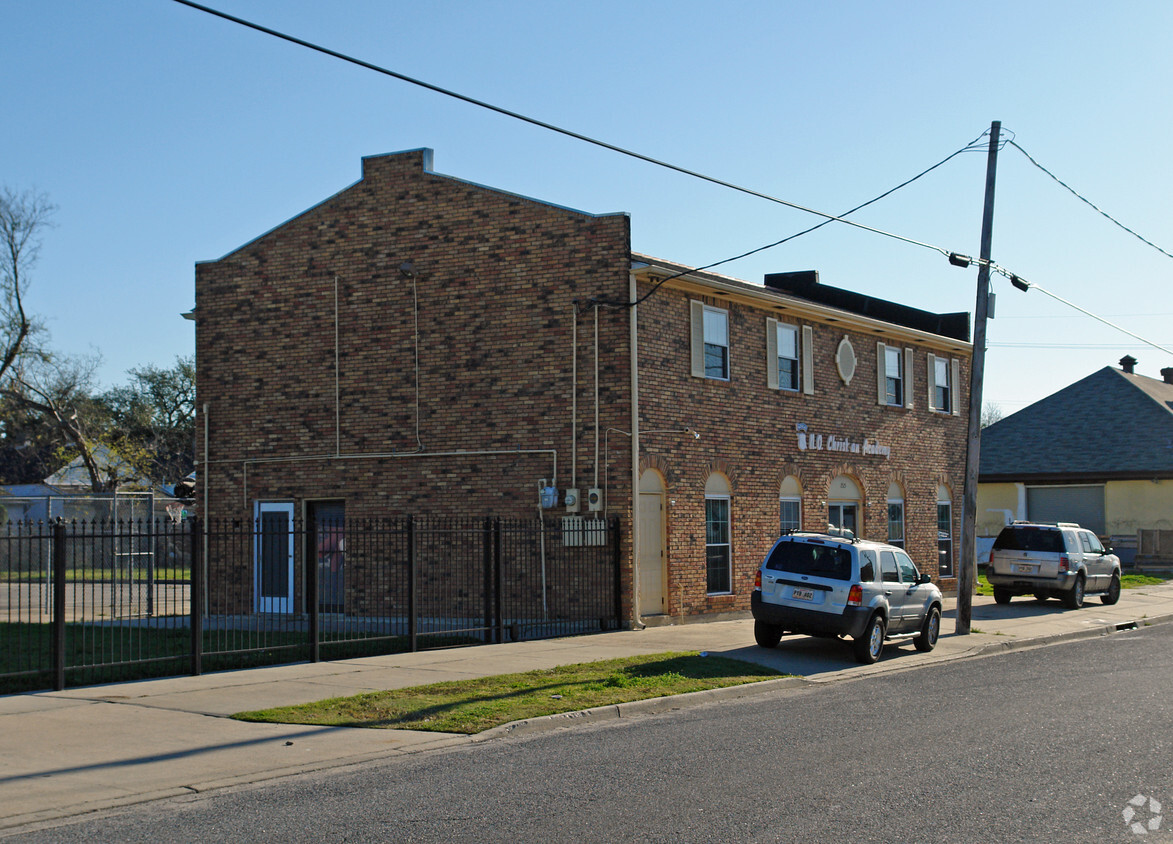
471,706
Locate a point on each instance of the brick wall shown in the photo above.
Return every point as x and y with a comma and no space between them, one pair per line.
493,282
748,434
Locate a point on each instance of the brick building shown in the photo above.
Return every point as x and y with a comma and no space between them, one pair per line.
421,344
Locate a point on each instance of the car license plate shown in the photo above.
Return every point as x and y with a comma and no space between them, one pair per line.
1025,569
802,594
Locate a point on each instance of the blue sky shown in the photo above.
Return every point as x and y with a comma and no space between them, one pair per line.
166,137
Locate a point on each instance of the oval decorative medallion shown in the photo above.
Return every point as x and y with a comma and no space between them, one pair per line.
845,360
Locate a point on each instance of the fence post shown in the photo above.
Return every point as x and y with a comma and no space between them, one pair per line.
498,618
196,591
310,554
413,631
59,604
487,547
617,568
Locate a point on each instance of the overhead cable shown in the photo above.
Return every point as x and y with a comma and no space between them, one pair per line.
1089,202
542,124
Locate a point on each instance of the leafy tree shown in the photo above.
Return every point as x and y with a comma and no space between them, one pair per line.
155,415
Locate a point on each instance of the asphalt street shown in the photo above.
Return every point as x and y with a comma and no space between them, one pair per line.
1045,744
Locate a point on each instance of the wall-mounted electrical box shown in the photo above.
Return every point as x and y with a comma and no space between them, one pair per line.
572,501
594,499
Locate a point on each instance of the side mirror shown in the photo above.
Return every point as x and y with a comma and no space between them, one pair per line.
924,578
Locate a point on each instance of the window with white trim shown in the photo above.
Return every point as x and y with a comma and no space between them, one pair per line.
790,504
895,515
718,550
787,361
716,339
944,533
944,374
893,376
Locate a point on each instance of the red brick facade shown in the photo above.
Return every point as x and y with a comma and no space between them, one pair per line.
412,345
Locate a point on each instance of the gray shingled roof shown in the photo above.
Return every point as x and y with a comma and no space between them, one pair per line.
1111,424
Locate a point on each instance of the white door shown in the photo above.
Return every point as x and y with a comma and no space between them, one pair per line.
652,557
273,557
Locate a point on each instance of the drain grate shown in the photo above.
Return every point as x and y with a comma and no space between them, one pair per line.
1126,625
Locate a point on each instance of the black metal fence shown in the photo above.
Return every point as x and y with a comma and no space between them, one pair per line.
88,602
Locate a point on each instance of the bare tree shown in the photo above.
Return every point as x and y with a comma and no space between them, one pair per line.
991,413
62,390
23,218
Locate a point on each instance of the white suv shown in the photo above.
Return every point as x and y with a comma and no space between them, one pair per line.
1056,560
823,585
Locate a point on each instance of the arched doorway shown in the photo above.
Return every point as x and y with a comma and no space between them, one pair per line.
652,554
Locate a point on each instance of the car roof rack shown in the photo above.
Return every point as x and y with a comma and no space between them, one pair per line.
849,536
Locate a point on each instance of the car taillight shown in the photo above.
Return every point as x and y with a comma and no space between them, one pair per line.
855,596
757,580
1063,563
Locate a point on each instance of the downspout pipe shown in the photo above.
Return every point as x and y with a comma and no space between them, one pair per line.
633,337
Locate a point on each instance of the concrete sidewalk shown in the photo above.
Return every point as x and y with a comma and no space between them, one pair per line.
68,753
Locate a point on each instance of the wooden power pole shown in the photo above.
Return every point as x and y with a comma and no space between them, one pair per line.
967,572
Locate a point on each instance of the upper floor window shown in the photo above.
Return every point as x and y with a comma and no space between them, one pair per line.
893,376
710,341
943,377
716,343
788,357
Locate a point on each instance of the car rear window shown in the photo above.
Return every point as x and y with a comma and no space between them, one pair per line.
1029,539
811,559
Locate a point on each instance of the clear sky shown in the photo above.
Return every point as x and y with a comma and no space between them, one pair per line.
166,136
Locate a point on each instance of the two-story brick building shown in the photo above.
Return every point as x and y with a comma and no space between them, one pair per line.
417,343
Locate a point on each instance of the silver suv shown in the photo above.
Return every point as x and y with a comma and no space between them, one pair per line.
1052,560
830,586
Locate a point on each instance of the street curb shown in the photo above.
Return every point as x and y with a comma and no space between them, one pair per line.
648,706
671,703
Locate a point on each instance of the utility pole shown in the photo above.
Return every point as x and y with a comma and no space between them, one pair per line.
967,572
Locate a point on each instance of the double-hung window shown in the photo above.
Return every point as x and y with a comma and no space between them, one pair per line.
943,378
710,342
789,364
787,356
893,376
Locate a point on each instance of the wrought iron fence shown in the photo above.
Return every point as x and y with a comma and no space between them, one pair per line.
85,602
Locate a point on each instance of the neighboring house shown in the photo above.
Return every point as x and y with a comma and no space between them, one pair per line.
74,479
1098,452
421,344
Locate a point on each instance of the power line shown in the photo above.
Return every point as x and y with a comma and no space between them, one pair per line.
549,126
1088,202
970,147
1024,285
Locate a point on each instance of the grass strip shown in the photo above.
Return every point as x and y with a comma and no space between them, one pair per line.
471,706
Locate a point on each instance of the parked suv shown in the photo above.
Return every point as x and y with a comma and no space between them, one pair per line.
1057,560
831,586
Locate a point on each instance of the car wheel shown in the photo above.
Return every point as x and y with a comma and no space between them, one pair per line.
929,631
1113,593
1002,596
870,645
767,635
1073,600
